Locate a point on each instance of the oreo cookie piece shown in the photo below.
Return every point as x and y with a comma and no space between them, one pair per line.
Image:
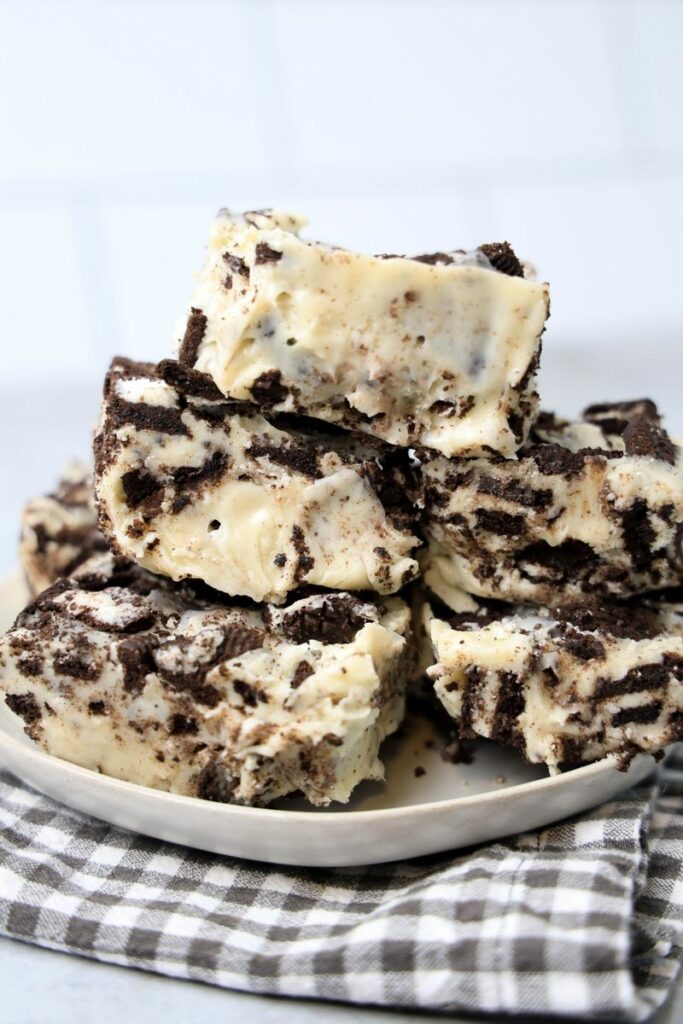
173,686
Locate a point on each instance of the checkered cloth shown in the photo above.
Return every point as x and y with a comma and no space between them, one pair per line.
582,919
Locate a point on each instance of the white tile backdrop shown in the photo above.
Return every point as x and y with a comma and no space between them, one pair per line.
396,125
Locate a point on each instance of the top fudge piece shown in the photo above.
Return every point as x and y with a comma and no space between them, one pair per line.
59,530
190,485
594,506
438,350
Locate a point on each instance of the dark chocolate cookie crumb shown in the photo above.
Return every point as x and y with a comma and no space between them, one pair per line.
502,258
626,621
237,266
304,561
572,559
157,418
25,706
140,489
303,670
249,694
504,524
268,389
238,639
76,664
214,783
193,337
641,715
334,620
433,259
295,455
189,382
515,491
554,460
136,655
196,478
639,533
582,646
509,707
643,677
264,254
614,417
181,725
643,437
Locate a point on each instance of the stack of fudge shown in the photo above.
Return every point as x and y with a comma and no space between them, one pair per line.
341,485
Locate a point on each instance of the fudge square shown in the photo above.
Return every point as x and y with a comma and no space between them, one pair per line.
438,350
59,530
563,685
593,506
172,687
192,485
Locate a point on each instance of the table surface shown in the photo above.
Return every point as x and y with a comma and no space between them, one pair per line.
39,986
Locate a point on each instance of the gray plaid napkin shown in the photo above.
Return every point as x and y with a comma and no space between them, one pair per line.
582,919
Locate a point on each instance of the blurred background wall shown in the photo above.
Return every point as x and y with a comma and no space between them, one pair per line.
395,125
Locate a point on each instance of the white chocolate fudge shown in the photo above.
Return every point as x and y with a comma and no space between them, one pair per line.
563,686
594,506
192,486
127,674
438,350
59,530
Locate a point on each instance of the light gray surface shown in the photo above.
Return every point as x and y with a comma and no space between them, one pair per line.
39,986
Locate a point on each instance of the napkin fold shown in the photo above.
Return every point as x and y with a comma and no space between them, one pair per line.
583,919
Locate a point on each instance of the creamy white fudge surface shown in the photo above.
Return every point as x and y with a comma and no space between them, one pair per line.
190,485
564,686
592,506
127,674
59,529
439,350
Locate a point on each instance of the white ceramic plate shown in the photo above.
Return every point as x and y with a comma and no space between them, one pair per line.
448,807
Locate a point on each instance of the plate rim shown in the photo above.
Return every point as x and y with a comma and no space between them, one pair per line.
575,775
